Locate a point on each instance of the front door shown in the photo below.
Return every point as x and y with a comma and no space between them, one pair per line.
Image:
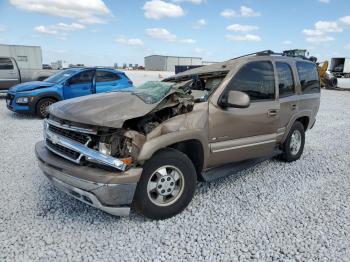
8,74
237,134
80,84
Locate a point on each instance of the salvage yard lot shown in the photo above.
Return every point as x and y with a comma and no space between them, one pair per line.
273,211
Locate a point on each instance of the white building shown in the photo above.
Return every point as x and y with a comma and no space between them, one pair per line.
28,57
168,63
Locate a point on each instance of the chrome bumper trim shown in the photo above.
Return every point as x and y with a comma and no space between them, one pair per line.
83,150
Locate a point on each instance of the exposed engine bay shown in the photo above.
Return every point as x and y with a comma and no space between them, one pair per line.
179,97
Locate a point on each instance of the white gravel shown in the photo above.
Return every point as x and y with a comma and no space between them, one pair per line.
275,211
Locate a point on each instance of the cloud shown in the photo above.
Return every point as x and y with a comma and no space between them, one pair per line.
328,26
287,42
248,12
161,33
58,29
89,12
45,30
187,41
321,30
228,13
157,9
312,32
128,41
243,12
241,28
196,2
319,39
345,20
247,37
165,35
200,23
324,1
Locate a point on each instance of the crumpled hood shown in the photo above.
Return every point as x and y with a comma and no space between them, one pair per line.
105,109
28,86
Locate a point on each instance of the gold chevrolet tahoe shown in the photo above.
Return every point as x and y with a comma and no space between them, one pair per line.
148,146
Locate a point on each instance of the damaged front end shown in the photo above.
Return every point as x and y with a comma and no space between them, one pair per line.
117,148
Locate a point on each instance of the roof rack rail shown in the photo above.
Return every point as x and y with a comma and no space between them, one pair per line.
259,53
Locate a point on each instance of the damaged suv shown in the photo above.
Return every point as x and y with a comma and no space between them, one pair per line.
149,146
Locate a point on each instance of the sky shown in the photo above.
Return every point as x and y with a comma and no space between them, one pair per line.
104,32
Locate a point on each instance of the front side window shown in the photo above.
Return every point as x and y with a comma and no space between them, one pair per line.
285,77
106,76
84,77
308,76
256,79
6,64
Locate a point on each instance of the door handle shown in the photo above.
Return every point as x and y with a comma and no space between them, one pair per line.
114,84
272,113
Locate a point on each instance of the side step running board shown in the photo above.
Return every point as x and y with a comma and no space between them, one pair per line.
233,168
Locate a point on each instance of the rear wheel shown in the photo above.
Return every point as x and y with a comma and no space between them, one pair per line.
43,106
166,186
293,147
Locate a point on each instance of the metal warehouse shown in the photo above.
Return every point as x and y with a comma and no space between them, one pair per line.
28,57
168,63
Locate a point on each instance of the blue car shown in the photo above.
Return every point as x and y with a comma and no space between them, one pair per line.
35,97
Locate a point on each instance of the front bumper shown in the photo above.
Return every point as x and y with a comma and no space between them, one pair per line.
111,192
19,108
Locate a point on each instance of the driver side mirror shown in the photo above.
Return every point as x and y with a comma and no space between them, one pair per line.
236,99
66,83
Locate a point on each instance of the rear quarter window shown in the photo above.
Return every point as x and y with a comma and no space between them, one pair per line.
6,64
308,76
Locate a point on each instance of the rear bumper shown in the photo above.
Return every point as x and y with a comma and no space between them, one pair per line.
111,192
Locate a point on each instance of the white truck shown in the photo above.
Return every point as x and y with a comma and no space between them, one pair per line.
340,67
11,74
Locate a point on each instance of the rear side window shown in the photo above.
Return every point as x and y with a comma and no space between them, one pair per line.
285,77
309,79
82,78
106,76
256,79
6,64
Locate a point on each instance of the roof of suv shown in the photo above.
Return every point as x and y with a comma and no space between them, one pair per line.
229,64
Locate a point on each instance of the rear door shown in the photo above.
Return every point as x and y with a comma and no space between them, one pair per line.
8,74
80,84
288,96
107,81
244,133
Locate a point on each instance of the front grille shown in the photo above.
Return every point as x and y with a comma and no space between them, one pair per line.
63,150
79,137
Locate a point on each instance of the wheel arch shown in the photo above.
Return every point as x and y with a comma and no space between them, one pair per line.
54,96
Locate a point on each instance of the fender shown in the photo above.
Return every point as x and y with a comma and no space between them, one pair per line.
303,113
153,145
43,95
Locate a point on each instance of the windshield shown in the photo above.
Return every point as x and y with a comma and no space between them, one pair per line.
60,76
153,91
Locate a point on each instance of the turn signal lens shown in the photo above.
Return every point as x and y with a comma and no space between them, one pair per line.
127,161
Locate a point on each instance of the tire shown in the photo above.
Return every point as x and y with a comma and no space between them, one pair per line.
293,147
152,198
42,106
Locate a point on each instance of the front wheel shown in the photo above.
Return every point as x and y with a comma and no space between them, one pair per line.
293,147
43,106
166,186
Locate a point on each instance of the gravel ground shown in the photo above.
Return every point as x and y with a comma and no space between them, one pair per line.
274,211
